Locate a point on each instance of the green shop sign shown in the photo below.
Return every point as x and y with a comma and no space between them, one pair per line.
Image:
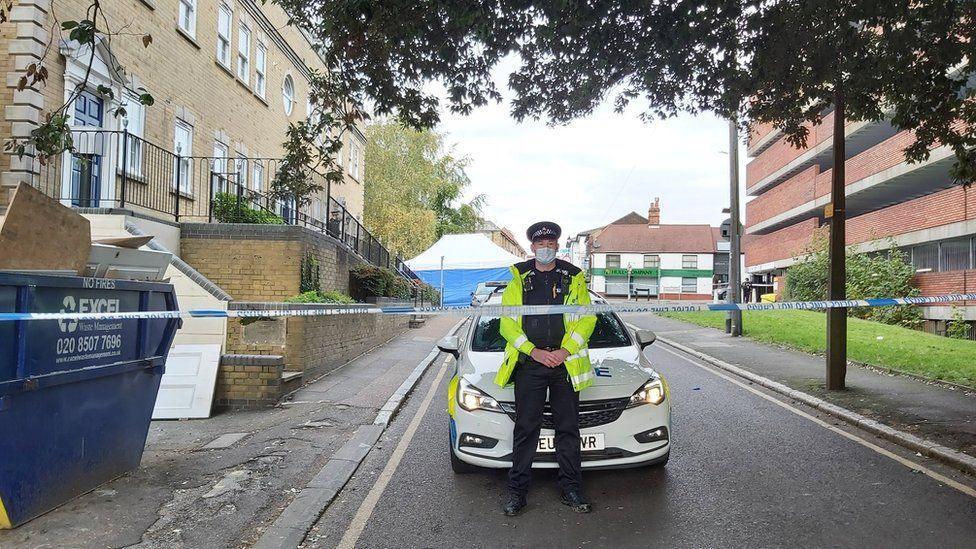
617,271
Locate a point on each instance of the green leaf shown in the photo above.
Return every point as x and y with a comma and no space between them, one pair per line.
105,90
68,25
146,99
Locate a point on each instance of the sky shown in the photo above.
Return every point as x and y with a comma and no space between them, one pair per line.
594,170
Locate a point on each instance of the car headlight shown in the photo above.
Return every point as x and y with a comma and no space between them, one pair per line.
471,399
651,392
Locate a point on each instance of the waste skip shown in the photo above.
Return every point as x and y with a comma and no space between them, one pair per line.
76,396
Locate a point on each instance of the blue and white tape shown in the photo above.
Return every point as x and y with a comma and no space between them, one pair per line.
491,310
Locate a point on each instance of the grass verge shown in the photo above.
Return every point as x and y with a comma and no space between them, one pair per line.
869,342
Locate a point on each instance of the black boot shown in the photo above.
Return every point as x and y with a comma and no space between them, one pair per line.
514,505
576,501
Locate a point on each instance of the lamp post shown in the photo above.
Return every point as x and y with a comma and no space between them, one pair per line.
442,281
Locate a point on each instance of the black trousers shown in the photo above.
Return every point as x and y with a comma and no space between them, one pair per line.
532,379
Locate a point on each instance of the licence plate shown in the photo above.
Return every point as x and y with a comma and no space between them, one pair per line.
594,441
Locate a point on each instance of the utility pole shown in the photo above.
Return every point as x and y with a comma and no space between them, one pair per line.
735,277
836,212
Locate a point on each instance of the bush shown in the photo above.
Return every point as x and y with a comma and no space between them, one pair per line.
329,296
429,293
309,278
226,209
887,273
957,327
367,281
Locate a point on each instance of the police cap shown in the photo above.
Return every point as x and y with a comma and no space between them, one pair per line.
543,229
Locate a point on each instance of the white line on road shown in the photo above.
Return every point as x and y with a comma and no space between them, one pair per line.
359,521
904,461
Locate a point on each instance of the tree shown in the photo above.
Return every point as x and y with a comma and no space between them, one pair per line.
312,146
414,184
910,62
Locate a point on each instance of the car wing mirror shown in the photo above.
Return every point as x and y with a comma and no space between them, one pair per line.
645,338
450,345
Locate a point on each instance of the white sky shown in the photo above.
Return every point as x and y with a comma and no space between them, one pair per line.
594,170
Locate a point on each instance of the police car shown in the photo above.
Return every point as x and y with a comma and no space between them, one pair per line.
625,416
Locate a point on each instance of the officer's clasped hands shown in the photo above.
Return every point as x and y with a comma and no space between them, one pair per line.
551,359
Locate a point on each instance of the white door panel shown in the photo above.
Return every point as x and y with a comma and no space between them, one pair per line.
187,387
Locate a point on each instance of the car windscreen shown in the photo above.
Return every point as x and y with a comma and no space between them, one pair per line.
609,332
483,290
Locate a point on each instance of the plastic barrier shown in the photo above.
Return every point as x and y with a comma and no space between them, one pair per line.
76,395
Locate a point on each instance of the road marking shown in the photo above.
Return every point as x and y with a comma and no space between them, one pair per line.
904,461
359,521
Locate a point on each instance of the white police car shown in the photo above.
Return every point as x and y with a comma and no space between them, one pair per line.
625,416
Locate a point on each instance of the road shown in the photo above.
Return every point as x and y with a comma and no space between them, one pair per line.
747,469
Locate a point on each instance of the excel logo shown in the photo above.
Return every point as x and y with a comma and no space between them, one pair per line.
69,306
84,305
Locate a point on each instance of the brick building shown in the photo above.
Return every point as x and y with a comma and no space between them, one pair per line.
914,205
227,77
637,252
503,237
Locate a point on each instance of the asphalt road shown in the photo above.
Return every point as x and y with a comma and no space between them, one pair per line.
746,470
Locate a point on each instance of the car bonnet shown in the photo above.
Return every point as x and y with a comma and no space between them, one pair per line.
619,372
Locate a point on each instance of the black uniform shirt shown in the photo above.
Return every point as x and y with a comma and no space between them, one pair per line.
545,288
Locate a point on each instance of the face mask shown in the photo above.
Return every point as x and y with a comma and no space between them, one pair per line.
545,255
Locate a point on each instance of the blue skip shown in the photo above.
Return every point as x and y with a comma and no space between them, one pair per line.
76,396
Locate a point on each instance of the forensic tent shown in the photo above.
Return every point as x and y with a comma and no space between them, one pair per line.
468,260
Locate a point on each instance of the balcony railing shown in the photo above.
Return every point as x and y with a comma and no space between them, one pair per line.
115,169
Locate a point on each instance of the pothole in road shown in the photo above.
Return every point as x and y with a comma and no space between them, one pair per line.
195,507
311,424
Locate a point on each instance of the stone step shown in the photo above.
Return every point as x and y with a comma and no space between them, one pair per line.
290,382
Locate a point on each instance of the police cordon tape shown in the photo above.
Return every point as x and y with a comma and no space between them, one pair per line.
489,310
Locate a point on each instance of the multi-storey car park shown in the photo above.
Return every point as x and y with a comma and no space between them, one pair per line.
915,206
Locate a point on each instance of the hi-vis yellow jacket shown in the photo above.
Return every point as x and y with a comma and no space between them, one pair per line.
578,331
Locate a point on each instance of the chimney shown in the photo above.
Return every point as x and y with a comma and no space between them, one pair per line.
654,213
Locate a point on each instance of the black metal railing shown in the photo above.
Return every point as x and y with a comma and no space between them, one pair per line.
115,169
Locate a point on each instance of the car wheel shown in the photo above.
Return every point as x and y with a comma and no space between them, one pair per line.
459,467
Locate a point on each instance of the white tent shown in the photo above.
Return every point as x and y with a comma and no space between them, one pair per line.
468,260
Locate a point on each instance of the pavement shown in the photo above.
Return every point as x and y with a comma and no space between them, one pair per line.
220,482
748,468
939,412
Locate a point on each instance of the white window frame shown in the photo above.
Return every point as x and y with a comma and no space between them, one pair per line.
223,40
684,288
244,53
260,70
354,154
607,261
219,167
288,97
186,17
685,260
257,176
185,167
656,262
242,168
135,117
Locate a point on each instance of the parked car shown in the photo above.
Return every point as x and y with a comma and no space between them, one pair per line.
625,416
484,290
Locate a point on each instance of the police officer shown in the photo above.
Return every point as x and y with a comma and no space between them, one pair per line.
546,354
